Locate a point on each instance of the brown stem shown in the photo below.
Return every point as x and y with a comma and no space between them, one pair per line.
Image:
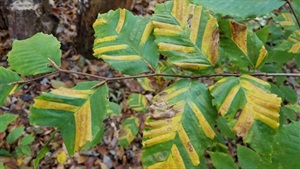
33,79
293,11
106,79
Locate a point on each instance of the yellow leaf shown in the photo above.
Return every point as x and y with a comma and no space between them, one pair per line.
61,157
251,96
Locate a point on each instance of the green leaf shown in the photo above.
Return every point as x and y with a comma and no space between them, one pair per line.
27,140
180,128
249,94
294,107
224,128
187,34
138,102
14,135
286,146
125,41
263,34
5,119
240,8
5,153
7,76
285,92
222,161
290,95
40,156
130,128
2,166
296,6
248,159
113,109
78,113
287,114
281,57
43,151
275,89
30,56
258,132
22,151
241,45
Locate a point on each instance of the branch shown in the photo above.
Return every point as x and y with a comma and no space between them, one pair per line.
293,11
106,79
33,79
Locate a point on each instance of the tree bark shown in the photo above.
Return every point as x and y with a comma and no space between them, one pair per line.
87,14
2,21
24,18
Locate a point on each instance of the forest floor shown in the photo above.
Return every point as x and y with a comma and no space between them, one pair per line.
106,155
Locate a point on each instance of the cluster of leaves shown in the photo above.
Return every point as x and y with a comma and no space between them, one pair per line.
187,118
15,141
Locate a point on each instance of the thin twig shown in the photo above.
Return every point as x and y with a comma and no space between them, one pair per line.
293,11
106,79
33,79
83,74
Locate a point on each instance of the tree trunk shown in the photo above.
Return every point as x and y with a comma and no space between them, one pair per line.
87,14
2,21
24,18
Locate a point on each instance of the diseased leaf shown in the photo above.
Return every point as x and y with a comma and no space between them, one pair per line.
292,44
5,119
222,160
241,45
250,95
7,76
187,34
286,20
240,8
180,127
125,41
146,84
167,67
247,158
113,109
14,135
78,113
138,102
130,128
30,56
